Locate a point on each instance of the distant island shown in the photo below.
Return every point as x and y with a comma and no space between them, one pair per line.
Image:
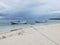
54,18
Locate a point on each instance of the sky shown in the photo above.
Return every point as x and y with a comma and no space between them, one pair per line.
33,7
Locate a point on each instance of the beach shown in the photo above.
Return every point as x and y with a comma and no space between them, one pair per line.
32,35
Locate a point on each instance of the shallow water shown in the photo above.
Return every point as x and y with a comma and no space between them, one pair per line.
7,26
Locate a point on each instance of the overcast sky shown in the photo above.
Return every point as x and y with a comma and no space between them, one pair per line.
35,7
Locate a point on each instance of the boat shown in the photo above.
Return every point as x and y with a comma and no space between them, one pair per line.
43,21
13,23
18,22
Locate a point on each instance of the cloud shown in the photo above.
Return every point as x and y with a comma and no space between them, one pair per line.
58,11
48,7
36,7
10,5
1,17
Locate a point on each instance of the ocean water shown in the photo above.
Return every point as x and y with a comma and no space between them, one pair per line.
5,25
9,27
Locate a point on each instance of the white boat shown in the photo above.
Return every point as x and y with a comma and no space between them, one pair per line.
18,22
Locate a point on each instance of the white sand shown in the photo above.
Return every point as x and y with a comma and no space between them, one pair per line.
32,35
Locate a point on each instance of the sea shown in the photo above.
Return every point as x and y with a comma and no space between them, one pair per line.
6,25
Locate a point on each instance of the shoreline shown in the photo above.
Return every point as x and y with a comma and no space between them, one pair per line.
52,31
40,26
